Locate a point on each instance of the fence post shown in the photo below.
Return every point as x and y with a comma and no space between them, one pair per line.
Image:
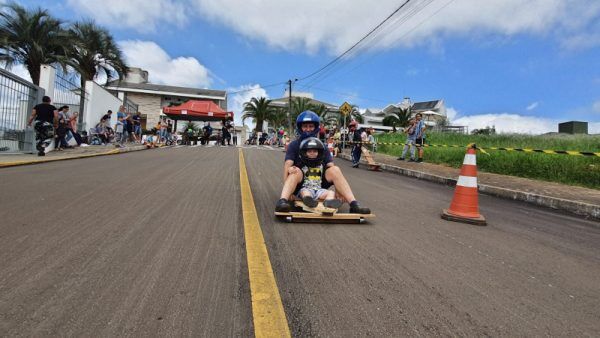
47,79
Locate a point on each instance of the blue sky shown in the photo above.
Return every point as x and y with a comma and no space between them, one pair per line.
522,66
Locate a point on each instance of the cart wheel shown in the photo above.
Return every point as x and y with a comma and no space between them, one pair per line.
288,219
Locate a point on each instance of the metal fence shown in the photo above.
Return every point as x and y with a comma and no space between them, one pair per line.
68,93
17,99
130,106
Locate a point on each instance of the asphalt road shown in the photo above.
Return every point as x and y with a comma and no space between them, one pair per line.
152,244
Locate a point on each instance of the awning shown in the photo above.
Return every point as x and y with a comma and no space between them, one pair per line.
197,110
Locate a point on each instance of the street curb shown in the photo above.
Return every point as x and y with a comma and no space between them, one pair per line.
110,152
579,208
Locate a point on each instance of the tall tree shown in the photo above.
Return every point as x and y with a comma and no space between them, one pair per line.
95,52
398,118
278,118
354,115
31,38
300,104
327,116
259,110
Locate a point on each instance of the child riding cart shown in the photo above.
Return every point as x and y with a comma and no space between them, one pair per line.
309,175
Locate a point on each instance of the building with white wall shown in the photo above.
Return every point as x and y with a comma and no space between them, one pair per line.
151,98
98,103
433,112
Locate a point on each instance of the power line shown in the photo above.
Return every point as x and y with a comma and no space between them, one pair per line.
261,86
344,94
397,39
378,36
356,44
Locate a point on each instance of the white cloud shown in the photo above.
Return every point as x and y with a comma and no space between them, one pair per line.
140,15
162,68
581,41
514,123
451,113
336,24
533,106
235,101
596,107
20,71
509,123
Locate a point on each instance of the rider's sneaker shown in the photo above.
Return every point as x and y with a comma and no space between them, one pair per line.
334,204
400,158
355,208
283,205
309,201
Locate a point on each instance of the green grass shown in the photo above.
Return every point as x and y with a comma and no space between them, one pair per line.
573,170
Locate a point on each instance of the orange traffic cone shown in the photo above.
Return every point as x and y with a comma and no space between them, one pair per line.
465,205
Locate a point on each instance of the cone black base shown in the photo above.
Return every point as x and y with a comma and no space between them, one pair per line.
450,217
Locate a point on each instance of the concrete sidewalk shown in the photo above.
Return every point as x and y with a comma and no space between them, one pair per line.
11,160
578,200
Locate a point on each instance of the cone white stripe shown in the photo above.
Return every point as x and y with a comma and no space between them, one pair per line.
470,159
467,181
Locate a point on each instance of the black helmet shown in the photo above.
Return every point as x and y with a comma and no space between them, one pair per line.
312,143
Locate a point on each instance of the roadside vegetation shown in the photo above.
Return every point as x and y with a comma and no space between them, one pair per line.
33,37
573,170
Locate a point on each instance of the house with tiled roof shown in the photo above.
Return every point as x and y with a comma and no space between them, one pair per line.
151,98
433,112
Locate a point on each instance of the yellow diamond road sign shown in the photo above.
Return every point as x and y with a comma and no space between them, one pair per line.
345,108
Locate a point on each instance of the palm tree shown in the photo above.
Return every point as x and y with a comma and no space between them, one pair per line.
327,116
399,118
31,38
278,118
354,115
320,110
258,110
95,52
299,105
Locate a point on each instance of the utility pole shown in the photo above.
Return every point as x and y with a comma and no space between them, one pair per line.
290,107
290,126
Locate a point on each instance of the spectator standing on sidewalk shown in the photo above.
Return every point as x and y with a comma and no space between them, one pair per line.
420,137
123,116
61,131
371,139
128,123
119,132
44,115
71,123
72,119
415,138
137,126
356,139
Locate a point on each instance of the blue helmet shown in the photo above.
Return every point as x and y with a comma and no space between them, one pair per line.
308,116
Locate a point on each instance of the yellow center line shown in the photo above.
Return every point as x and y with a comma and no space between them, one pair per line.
267,308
